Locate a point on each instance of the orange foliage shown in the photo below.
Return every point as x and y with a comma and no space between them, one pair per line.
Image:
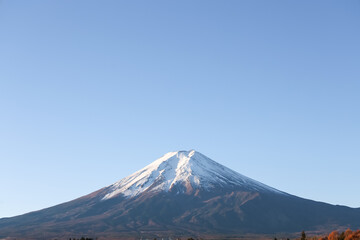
348,232
347,235
333,235
350,235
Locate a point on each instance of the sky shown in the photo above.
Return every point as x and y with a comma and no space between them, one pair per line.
92,91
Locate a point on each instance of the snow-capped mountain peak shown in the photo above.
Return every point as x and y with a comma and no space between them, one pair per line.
188,169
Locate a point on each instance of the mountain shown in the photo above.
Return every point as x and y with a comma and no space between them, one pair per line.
183,193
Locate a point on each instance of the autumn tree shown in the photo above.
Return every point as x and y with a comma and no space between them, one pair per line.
334,235
348,232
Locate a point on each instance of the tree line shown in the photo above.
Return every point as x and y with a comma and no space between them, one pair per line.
335,235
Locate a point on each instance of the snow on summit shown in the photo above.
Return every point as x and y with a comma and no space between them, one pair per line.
190,169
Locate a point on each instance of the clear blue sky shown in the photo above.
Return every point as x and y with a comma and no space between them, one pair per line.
91,91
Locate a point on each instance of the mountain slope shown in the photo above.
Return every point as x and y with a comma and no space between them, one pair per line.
181,194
